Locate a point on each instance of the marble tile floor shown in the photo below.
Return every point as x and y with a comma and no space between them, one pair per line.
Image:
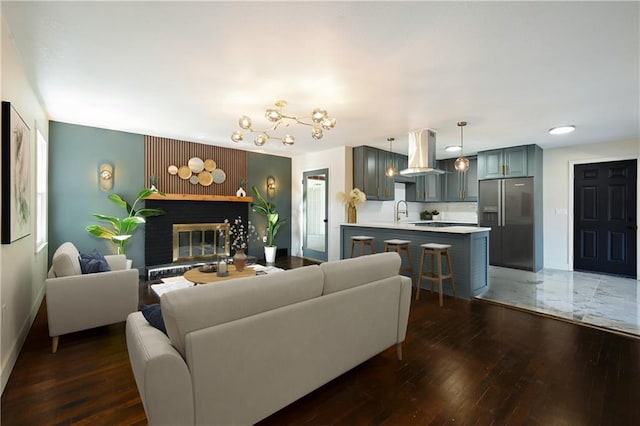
603,301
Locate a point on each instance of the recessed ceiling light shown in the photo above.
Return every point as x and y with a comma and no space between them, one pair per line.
562,130
452,148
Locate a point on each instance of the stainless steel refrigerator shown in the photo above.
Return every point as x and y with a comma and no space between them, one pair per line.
507,206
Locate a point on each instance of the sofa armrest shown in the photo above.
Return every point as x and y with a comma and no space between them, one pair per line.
80,302
162,376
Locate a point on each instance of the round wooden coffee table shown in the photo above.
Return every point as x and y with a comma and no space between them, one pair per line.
195,276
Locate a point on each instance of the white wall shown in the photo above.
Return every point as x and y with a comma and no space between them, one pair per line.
340,164
558,194
23,271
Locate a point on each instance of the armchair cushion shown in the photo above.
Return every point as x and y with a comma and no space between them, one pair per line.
93,262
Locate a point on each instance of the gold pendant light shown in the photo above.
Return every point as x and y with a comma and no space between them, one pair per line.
462,162
391,171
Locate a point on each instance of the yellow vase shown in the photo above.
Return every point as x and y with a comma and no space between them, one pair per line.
352,214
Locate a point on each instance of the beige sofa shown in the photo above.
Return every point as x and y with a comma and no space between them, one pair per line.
239,350
77,301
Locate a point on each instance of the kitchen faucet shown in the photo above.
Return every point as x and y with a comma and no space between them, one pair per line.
398,211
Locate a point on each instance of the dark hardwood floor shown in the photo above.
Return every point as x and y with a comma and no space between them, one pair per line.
464,363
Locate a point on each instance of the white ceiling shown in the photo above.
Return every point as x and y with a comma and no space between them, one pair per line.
189,70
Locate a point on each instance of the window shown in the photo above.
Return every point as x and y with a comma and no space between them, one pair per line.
42,168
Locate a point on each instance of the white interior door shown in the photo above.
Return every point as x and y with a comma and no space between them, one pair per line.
315,211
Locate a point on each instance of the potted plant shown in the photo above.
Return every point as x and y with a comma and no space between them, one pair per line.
429,214
268,210
122,230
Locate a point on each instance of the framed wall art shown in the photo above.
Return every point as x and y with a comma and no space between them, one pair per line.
16,172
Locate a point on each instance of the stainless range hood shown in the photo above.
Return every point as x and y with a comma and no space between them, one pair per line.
422,153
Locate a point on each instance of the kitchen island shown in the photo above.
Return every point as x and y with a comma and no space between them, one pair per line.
469,249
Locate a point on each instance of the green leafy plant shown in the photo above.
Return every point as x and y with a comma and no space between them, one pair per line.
427,214
122,230
268,210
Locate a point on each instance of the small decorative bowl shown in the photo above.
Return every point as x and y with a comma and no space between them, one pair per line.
208,268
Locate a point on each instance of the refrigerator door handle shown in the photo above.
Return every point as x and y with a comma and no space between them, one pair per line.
501,201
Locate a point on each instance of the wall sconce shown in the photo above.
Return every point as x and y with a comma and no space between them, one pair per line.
271,185
105,176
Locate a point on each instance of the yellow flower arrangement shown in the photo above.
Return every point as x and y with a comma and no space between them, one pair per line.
353,198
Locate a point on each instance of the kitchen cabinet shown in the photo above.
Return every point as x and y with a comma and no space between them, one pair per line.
517,161
369,165
385,183
416,190
433,186
425,188
459,186
401,162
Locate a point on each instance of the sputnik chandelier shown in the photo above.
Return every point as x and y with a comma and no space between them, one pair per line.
319,121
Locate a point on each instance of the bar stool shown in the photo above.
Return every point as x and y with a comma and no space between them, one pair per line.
399,246
436,252
362,241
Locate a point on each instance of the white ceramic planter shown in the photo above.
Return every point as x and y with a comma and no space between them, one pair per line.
270,253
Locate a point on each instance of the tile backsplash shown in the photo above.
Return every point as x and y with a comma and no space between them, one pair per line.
383,211
459,211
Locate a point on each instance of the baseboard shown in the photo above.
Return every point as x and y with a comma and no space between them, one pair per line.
10,361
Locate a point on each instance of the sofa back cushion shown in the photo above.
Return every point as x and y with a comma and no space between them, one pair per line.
344,274
65,261
207,305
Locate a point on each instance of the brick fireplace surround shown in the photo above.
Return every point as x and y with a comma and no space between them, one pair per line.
158,240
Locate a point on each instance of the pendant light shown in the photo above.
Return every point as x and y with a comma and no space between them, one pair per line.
391,171
462,162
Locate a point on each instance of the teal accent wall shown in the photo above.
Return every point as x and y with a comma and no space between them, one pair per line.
260,167
75,155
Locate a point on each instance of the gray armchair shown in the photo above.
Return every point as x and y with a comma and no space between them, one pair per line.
77,301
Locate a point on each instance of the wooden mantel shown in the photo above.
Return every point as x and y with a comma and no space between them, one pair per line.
200,197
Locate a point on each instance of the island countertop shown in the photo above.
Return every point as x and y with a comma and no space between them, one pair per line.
469,249
422,226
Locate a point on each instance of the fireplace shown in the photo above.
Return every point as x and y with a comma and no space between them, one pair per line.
159,230
200,241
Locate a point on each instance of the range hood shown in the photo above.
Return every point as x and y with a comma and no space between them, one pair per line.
422,153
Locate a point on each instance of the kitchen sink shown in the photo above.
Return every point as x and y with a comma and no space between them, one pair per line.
439,224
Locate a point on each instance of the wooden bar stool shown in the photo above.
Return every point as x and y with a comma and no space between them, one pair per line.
362,241
435,252
399,246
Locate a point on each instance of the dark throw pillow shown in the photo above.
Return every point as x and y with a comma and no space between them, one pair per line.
93,262
153,315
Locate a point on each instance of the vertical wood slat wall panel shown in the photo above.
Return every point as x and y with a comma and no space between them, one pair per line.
160,153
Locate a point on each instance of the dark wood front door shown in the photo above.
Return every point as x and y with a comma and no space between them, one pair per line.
605,222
